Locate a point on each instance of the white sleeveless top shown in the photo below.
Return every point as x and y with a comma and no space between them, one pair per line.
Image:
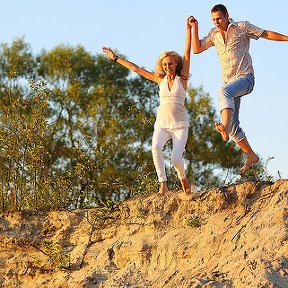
172,113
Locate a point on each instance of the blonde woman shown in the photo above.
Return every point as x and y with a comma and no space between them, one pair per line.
171,74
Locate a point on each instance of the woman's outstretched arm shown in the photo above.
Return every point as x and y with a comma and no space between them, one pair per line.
130,65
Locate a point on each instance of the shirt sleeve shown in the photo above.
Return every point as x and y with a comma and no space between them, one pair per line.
207,41
252,31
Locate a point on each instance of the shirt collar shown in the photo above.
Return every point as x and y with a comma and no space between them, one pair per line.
231,22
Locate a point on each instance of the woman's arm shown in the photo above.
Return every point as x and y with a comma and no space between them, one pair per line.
130,65
187,52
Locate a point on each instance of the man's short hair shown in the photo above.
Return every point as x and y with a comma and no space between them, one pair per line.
221,8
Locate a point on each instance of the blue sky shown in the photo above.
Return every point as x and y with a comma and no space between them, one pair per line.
141,30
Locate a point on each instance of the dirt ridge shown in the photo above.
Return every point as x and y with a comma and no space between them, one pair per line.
233,236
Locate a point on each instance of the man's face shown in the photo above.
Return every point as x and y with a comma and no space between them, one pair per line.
220,20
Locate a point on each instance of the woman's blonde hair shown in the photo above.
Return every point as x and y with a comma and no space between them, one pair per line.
159,69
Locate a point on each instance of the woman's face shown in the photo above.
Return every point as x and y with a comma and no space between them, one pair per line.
169,64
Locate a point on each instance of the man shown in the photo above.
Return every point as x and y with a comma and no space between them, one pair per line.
232,40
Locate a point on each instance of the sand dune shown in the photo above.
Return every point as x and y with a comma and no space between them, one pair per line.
230,237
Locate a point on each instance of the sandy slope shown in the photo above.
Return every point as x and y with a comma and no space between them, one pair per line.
152,242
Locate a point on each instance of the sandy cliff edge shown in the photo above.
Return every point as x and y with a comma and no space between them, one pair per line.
230,237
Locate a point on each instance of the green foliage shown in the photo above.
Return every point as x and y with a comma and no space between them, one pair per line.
258,172
144,184
99,215
56,257
16,61
141,211
194,221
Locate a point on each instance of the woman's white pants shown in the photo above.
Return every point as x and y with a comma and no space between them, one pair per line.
179,139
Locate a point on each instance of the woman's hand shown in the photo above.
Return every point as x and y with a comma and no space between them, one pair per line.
109,53
191,21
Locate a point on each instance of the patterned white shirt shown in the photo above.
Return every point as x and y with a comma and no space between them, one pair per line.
234,54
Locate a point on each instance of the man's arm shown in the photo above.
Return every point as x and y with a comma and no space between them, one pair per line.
271,35
196,43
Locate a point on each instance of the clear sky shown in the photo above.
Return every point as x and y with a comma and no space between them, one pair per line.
142,29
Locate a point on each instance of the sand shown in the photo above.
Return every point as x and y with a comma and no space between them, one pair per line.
235,236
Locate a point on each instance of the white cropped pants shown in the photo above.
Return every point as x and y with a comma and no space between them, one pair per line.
179,139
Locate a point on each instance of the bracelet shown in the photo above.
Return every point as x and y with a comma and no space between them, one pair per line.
115,59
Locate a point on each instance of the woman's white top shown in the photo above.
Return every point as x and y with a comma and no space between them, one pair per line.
171,112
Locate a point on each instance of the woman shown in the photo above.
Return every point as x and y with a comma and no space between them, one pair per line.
172,74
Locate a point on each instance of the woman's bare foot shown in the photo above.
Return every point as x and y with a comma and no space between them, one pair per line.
186,185
163,188
222,130
252,158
